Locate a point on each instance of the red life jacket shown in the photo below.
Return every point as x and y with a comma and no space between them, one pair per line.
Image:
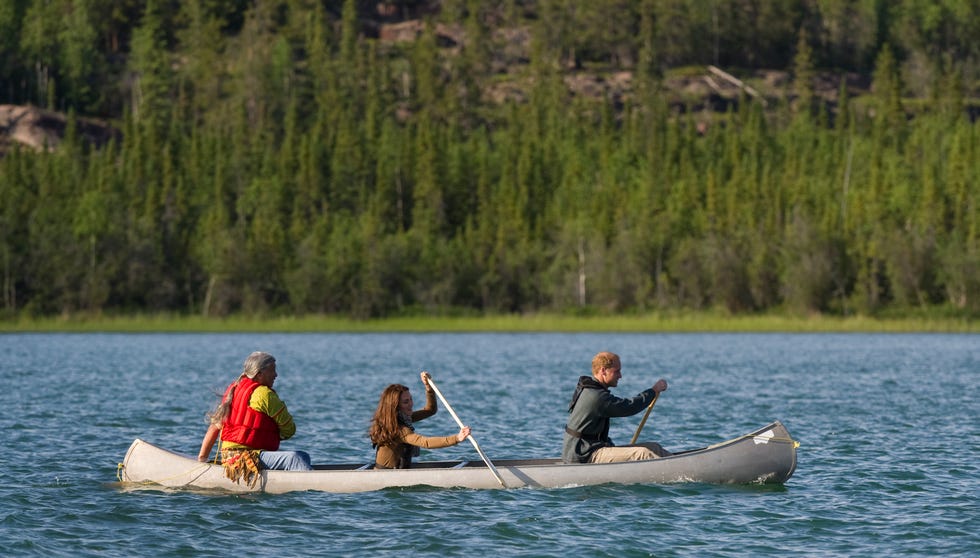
247,426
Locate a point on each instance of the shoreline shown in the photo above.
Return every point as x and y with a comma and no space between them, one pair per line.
535,323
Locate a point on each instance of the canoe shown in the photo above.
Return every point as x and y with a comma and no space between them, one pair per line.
767,455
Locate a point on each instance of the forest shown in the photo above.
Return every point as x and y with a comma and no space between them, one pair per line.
373,159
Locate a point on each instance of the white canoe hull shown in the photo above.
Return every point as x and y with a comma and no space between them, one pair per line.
767,455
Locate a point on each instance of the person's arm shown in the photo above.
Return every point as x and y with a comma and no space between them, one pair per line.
430,405
265,400
433,442
210,437
613,406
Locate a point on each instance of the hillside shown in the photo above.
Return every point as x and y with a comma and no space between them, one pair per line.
300,157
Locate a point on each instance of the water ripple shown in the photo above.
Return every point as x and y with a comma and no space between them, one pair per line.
883,469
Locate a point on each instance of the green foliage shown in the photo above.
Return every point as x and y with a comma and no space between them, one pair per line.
803,74
150,68
275,159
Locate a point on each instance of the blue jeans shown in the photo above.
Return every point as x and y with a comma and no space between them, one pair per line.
286,460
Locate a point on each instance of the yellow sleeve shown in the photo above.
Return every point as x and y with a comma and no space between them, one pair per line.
265,400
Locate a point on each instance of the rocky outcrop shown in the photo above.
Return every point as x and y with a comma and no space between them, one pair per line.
34,128
447,36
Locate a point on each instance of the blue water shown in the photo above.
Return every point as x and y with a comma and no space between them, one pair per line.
889,427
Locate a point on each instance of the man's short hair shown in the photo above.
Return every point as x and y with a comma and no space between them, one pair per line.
605,359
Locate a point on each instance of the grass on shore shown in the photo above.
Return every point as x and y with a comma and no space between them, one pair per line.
686,322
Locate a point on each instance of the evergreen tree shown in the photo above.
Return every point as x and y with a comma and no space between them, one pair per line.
151,72
887,89
40,52
803,75
201,45
80,58
12,68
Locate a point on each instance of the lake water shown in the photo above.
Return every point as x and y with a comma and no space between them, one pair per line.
889,427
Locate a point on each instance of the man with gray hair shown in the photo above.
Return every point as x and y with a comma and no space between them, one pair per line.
251,420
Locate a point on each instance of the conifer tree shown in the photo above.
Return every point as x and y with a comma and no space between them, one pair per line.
887,89
201,44
17,193
151,72
80,60
11,64
803,75
40,26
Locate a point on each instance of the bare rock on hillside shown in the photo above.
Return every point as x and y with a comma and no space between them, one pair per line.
713,90
447,36
43,130
30,127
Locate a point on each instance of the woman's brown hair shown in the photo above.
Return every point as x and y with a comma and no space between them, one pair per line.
385,428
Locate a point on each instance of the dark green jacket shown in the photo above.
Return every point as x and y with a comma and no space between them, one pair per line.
591,408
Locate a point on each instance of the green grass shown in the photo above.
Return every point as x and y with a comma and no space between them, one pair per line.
657,322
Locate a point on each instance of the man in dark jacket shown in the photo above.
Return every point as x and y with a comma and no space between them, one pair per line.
587,431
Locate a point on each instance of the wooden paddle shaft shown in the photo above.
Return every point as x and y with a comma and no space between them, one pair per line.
644,421
470,437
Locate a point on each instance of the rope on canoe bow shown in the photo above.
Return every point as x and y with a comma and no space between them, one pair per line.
191,471
762,439
774,439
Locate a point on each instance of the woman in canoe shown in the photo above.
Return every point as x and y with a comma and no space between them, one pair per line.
392,429
251,420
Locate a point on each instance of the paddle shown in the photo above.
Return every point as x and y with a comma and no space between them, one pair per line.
472,440
644,421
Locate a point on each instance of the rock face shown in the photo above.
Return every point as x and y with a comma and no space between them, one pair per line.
39,129
710,90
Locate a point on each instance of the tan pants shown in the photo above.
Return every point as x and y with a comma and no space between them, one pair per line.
637,452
